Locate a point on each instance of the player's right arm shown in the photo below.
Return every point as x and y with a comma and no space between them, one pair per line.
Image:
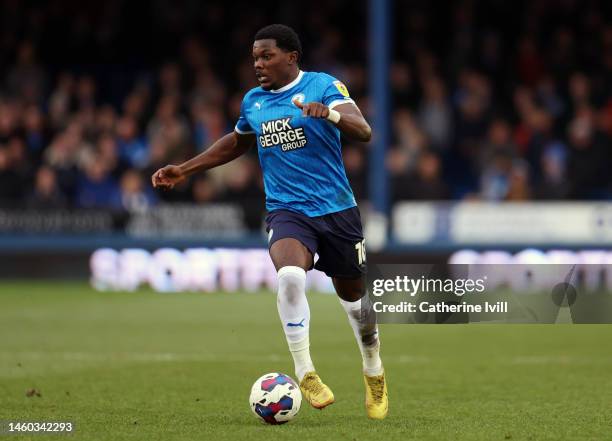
224,150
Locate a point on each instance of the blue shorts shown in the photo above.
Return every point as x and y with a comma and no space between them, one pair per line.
336,237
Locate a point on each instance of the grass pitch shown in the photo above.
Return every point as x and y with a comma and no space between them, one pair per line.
143,366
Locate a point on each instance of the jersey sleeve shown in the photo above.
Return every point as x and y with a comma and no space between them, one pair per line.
335,93
242,125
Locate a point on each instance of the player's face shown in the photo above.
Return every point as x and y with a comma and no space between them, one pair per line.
272,64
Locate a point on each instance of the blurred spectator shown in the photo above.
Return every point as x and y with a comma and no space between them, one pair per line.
548,95
170,79
170,126
35,132
355,166
240,184
208,124
529,63
518,182
590,158
135,105
96,188
26,79
204,190
495,177
435,115
85,93
11,182
106,119
580,90
108,150
134,195
409,137
9,119
472,100
46,193
19,159
243,188
402,87
498,142
553,183
426,182
60,101
132,148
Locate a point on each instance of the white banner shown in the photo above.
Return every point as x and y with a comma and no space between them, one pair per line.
196,269
530,223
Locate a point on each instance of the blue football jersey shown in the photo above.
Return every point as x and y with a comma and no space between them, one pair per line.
301,157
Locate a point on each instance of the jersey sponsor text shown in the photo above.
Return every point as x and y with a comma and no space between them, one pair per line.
280,132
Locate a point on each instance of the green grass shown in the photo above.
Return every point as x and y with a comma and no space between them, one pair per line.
143,366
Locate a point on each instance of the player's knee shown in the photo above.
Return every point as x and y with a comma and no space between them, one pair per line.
291,284
350,290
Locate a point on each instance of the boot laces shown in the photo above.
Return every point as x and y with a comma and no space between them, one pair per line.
377,387
313,385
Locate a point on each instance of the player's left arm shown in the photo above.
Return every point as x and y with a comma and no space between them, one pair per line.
347,117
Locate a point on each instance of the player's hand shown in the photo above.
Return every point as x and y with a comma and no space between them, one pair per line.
167,177
314,110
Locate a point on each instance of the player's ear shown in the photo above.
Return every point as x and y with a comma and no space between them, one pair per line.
293,57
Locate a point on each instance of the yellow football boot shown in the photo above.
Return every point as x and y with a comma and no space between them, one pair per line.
315,391
377,400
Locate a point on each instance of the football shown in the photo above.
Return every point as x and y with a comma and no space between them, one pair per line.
275,398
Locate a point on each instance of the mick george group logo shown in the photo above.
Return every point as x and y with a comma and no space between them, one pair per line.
280,132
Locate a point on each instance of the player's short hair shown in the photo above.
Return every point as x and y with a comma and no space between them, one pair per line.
286,38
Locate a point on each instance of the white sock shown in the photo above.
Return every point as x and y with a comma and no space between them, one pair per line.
363,322
295,316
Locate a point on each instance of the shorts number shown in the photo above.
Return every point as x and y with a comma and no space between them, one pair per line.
361,253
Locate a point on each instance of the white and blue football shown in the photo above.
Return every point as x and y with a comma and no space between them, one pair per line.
275,398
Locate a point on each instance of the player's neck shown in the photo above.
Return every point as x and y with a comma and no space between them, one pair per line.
290,78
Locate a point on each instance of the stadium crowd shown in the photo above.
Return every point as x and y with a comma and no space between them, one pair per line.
492,100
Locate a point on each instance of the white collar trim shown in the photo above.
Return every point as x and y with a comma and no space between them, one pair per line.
290,85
